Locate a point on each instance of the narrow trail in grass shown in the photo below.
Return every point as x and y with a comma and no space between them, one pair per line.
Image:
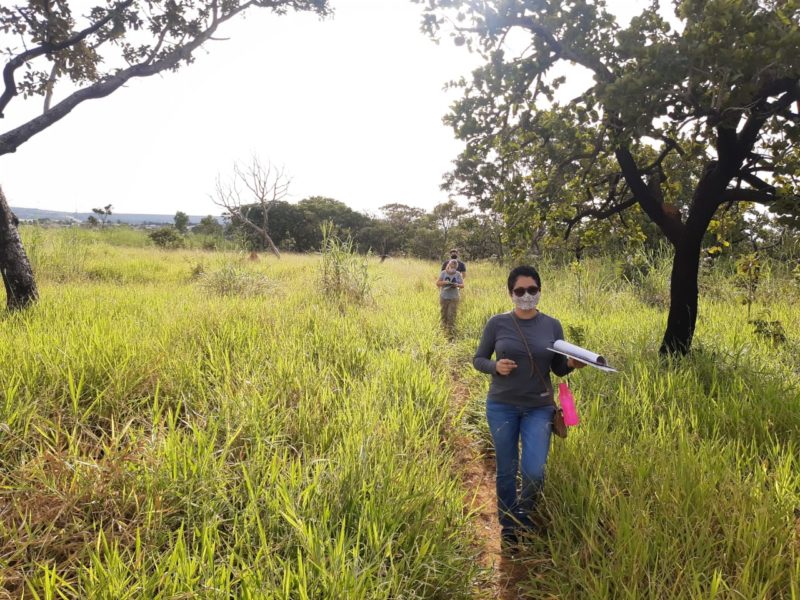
477,471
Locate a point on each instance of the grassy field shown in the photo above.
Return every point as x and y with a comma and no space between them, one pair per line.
191,424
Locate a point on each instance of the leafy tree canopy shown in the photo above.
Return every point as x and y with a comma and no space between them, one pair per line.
181,221
402,215
91,51
208,226
688,110
672,97
317,210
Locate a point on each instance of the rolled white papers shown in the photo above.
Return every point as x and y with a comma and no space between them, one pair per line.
582,354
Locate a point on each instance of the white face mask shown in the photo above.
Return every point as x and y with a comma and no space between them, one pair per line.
526,301
450,271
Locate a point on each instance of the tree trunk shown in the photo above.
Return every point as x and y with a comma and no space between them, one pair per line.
683,297
268,242
14,265
536,237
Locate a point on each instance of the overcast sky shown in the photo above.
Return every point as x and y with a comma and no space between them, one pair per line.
351,106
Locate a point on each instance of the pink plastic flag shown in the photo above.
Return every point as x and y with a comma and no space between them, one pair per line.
567,405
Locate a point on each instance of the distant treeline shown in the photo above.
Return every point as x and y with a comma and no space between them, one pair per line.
400,229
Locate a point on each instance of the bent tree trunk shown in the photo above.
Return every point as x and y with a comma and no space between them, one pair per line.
683,298
14,265
268,242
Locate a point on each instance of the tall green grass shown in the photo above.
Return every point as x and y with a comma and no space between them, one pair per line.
159,439
683,478
194,424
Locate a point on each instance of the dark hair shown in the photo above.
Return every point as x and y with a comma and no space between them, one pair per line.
522,271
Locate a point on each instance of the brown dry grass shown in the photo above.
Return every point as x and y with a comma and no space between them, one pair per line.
53,506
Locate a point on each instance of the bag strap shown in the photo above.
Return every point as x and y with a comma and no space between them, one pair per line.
534,367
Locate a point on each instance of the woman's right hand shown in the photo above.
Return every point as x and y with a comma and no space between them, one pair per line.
504,366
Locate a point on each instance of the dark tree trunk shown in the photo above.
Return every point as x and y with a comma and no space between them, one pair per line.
14,265
684,289
683,298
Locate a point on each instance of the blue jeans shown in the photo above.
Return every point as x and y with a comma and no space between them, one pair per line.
509,424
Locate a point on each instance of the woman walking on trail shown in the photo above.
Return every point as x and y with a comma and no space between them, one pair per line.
449,283
520,403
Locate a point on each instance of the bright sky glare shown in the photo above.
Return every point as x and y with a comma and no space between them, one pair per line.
351,106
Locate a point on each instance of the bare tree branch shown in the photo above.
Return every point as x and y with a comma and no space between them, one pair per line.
266,185
51,81
598,213
669,147
764,196
757,182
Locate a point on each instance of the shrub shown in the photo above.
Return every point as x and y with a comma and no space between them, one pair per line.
344,272
231,280
167,237
198,271
770,329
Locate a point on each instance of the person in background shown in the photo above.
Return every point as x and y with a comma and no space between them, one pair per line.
449,283
520,403
461,267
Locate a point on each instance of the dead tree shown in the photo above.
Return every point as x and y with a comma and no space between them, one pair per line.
252,191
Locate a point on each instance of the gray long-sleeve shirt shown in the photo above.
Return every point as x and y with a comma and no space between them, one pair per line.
521,387
450,292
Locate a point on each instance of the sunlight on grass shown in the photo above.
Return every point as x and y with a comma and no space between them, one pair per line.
162,439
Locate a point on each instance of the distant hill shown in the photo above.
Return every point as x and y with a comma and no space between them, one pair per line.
129,219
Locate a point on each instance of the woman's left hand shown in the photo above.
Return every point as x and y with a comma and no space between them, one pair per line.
575,364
